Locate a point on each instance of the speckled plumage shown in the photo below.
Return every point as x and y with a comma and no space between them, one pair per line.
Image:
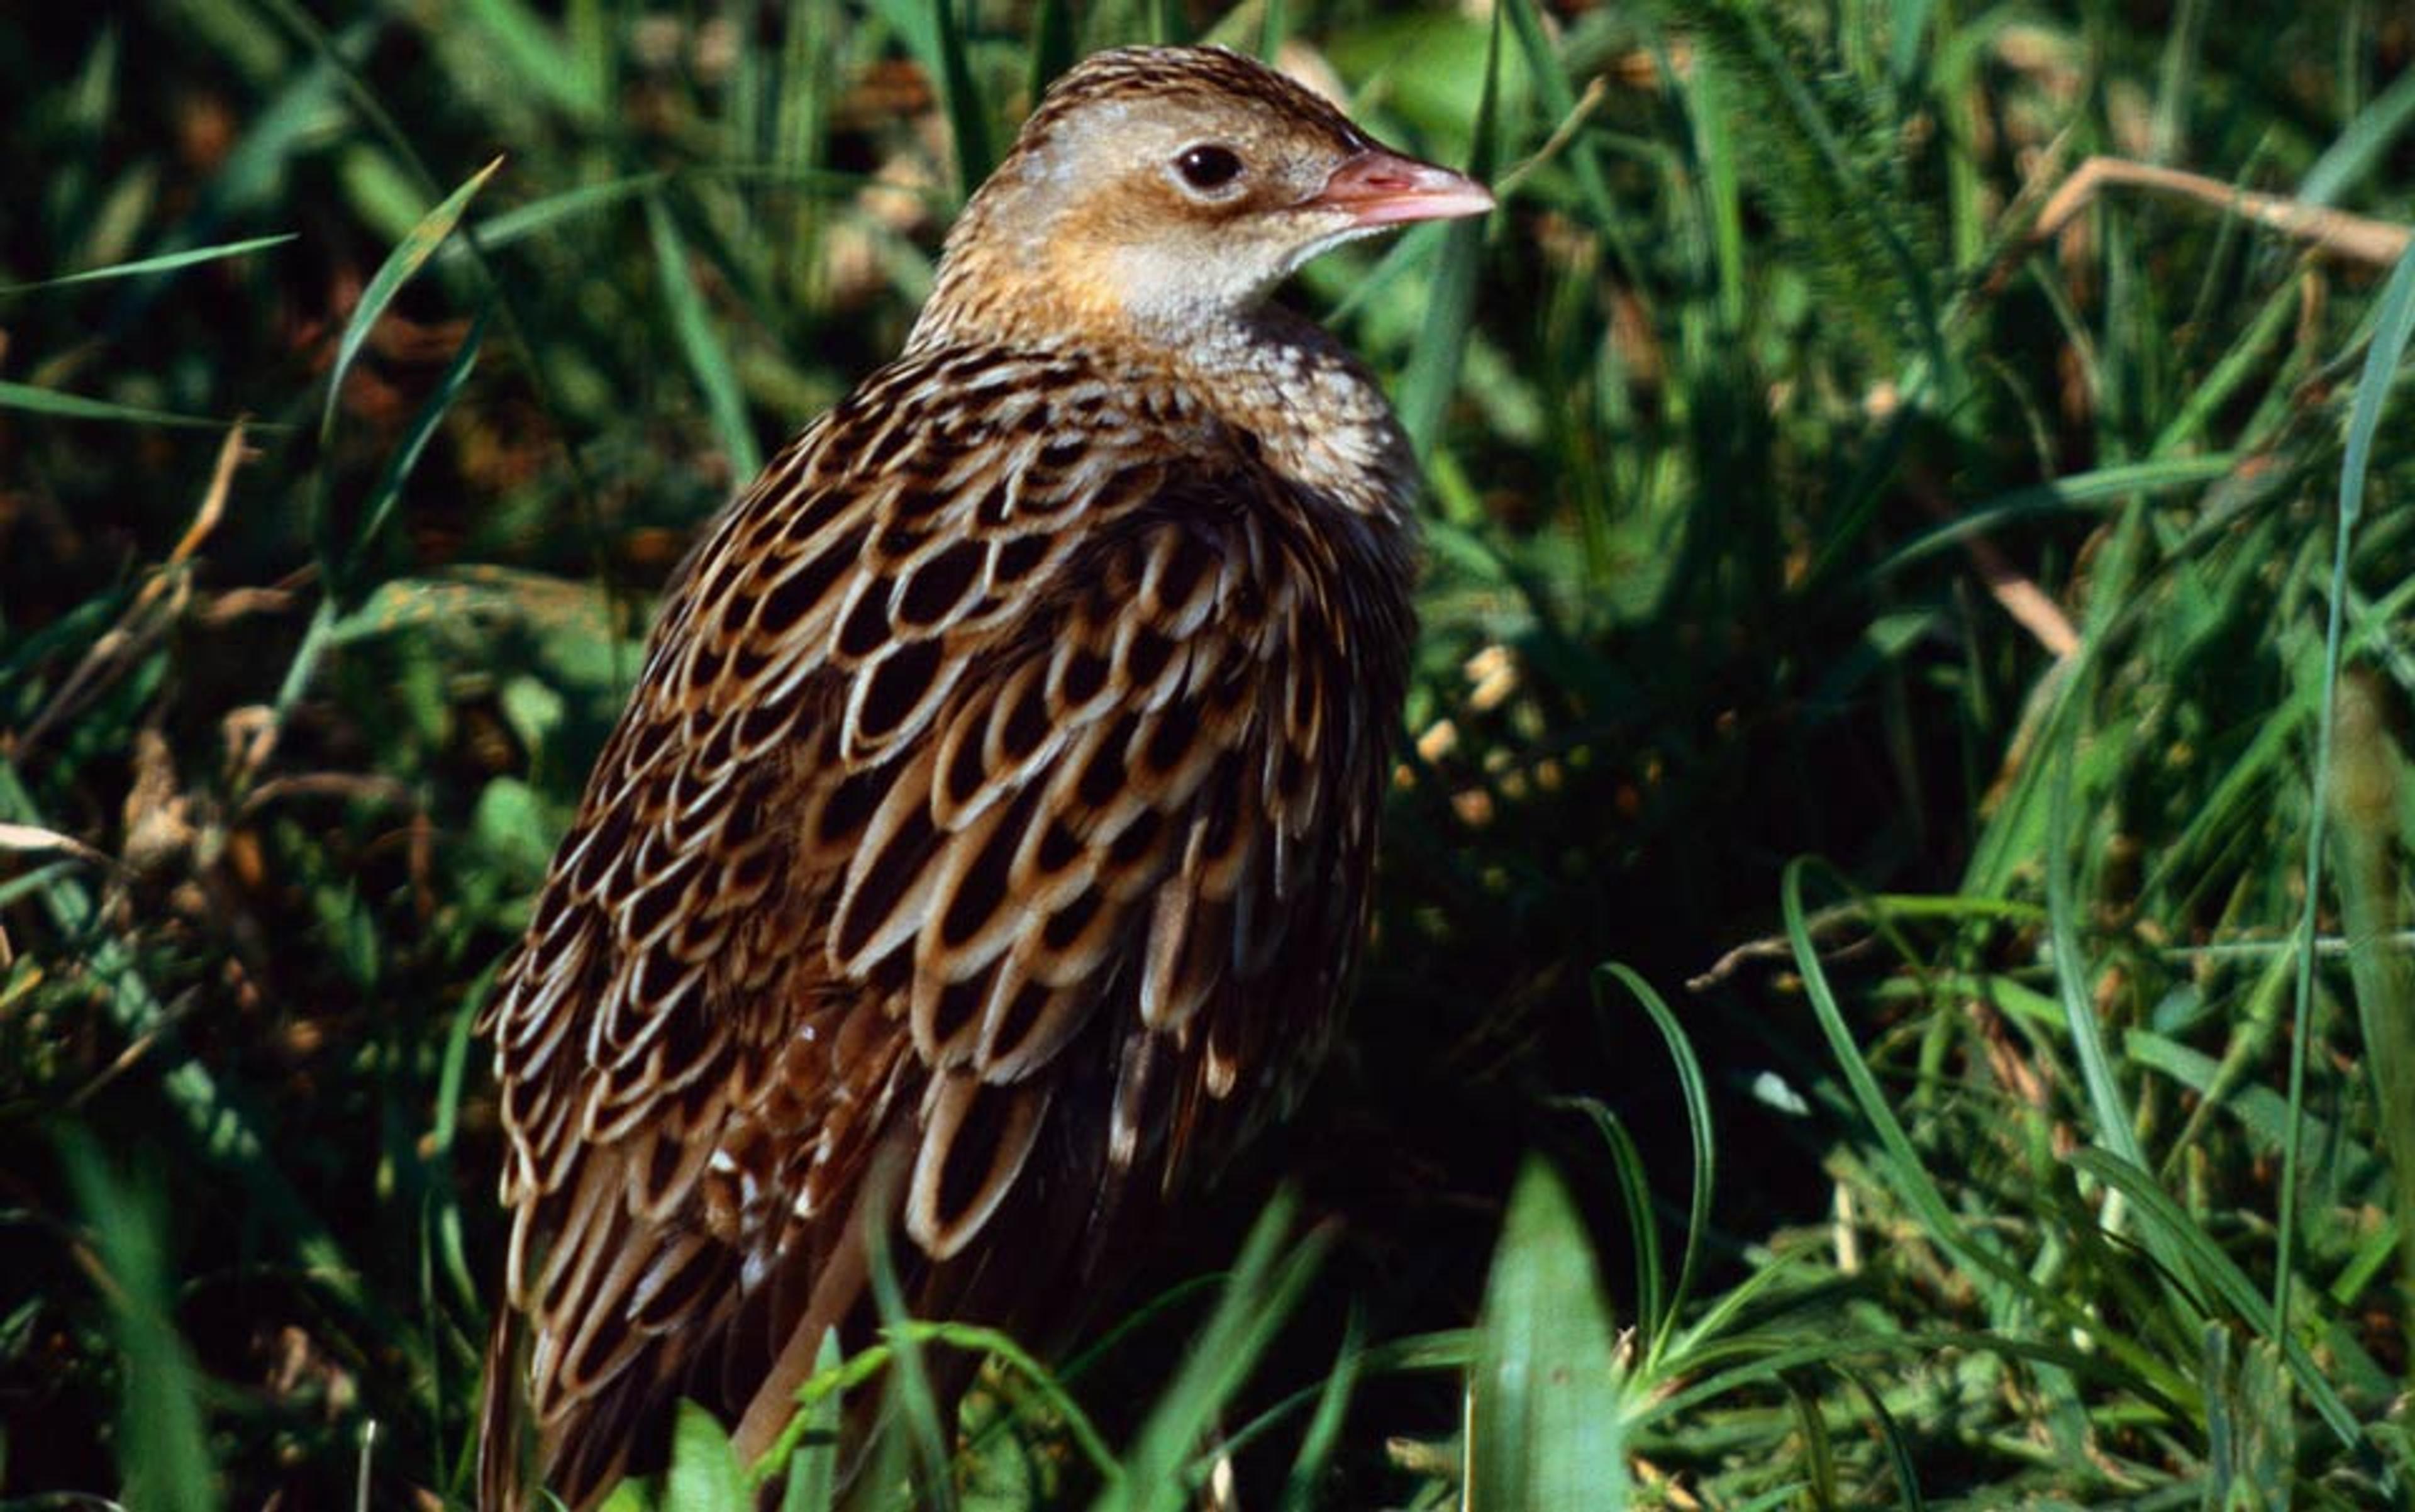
989,832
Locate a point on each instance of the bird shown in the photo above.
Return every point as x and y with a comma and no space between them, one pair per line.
985,844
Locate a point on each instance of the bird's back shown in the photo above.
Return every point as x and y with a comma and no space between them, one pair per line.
988,834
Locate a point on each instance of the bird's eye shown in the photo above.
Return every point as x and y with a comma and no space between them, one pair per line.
1209,167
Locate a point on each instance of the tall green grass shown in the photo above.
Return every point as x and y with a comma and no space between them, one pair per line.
1955,679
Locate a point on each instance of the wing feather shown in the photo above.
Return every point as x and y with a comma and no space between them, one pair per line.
952,761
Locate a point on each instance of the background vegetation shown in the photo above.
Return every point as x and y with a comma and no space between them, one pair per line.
1869,819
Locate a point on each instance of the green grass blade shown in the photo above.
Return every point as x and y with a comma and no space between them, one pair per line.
708,359
2112,1115
1433,372
812,1459
165,263
1055,43
525,220
2368,783
705,1476
1910,1180
2100,488
406,259
934,31
2367,142
386,492
2394,328
911,1396
1265,1286
52,402
2217,1270
527,47
1053,1394
1907,33
1643,1230
1318,1446
445,1226
1696,1093
1546,1413
163,1446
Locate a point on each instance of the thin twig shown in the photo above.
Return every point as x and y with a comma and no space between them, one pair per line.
2357,238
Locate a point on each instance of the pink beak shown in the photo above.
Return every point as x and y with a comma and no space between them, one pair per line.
1381,189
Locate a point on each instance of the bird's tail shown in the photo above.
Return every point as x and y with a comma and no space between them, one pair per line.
506,1444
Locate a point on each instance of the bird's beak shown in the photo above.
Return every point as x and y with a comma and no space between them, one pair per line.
1382,188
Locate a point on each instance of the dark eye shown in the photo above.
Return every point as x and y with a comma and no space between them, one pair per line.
1209,166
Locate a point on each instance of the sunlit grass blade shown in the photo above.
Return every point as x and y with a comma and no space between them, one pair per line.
2368,782
2016,1296
2394,328
1761,1360
811,1462
705,1476
165,263
2112,1123
401,264
407,258
1546,1419
2355,745
1909,1178
2205,1260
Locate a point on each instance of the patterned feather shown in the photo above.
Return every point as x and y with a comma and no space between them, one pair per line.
987,839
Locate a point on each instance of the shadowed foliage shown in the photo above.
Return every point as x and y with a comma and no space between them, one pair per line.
1901,808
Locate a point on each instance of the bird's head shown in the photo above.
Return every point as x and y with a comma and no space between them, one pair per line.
1155,191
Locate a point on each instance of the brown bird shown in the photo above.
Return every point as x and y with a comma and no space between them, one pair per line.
987,840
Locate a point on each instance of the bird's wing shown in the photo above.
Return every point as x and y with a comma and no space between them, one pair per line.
984,709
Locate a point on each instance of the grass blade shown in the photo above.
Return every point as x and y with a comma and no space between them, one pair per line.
387,491
1324,1436
35,401
705,1476
1265,1286
164,262
1433,372
1696,1093
162,1445
406,259
708,359
1547,1419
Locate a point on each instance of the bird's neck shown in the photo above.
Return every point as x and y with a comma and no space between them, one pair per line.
1276,380
1311,411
